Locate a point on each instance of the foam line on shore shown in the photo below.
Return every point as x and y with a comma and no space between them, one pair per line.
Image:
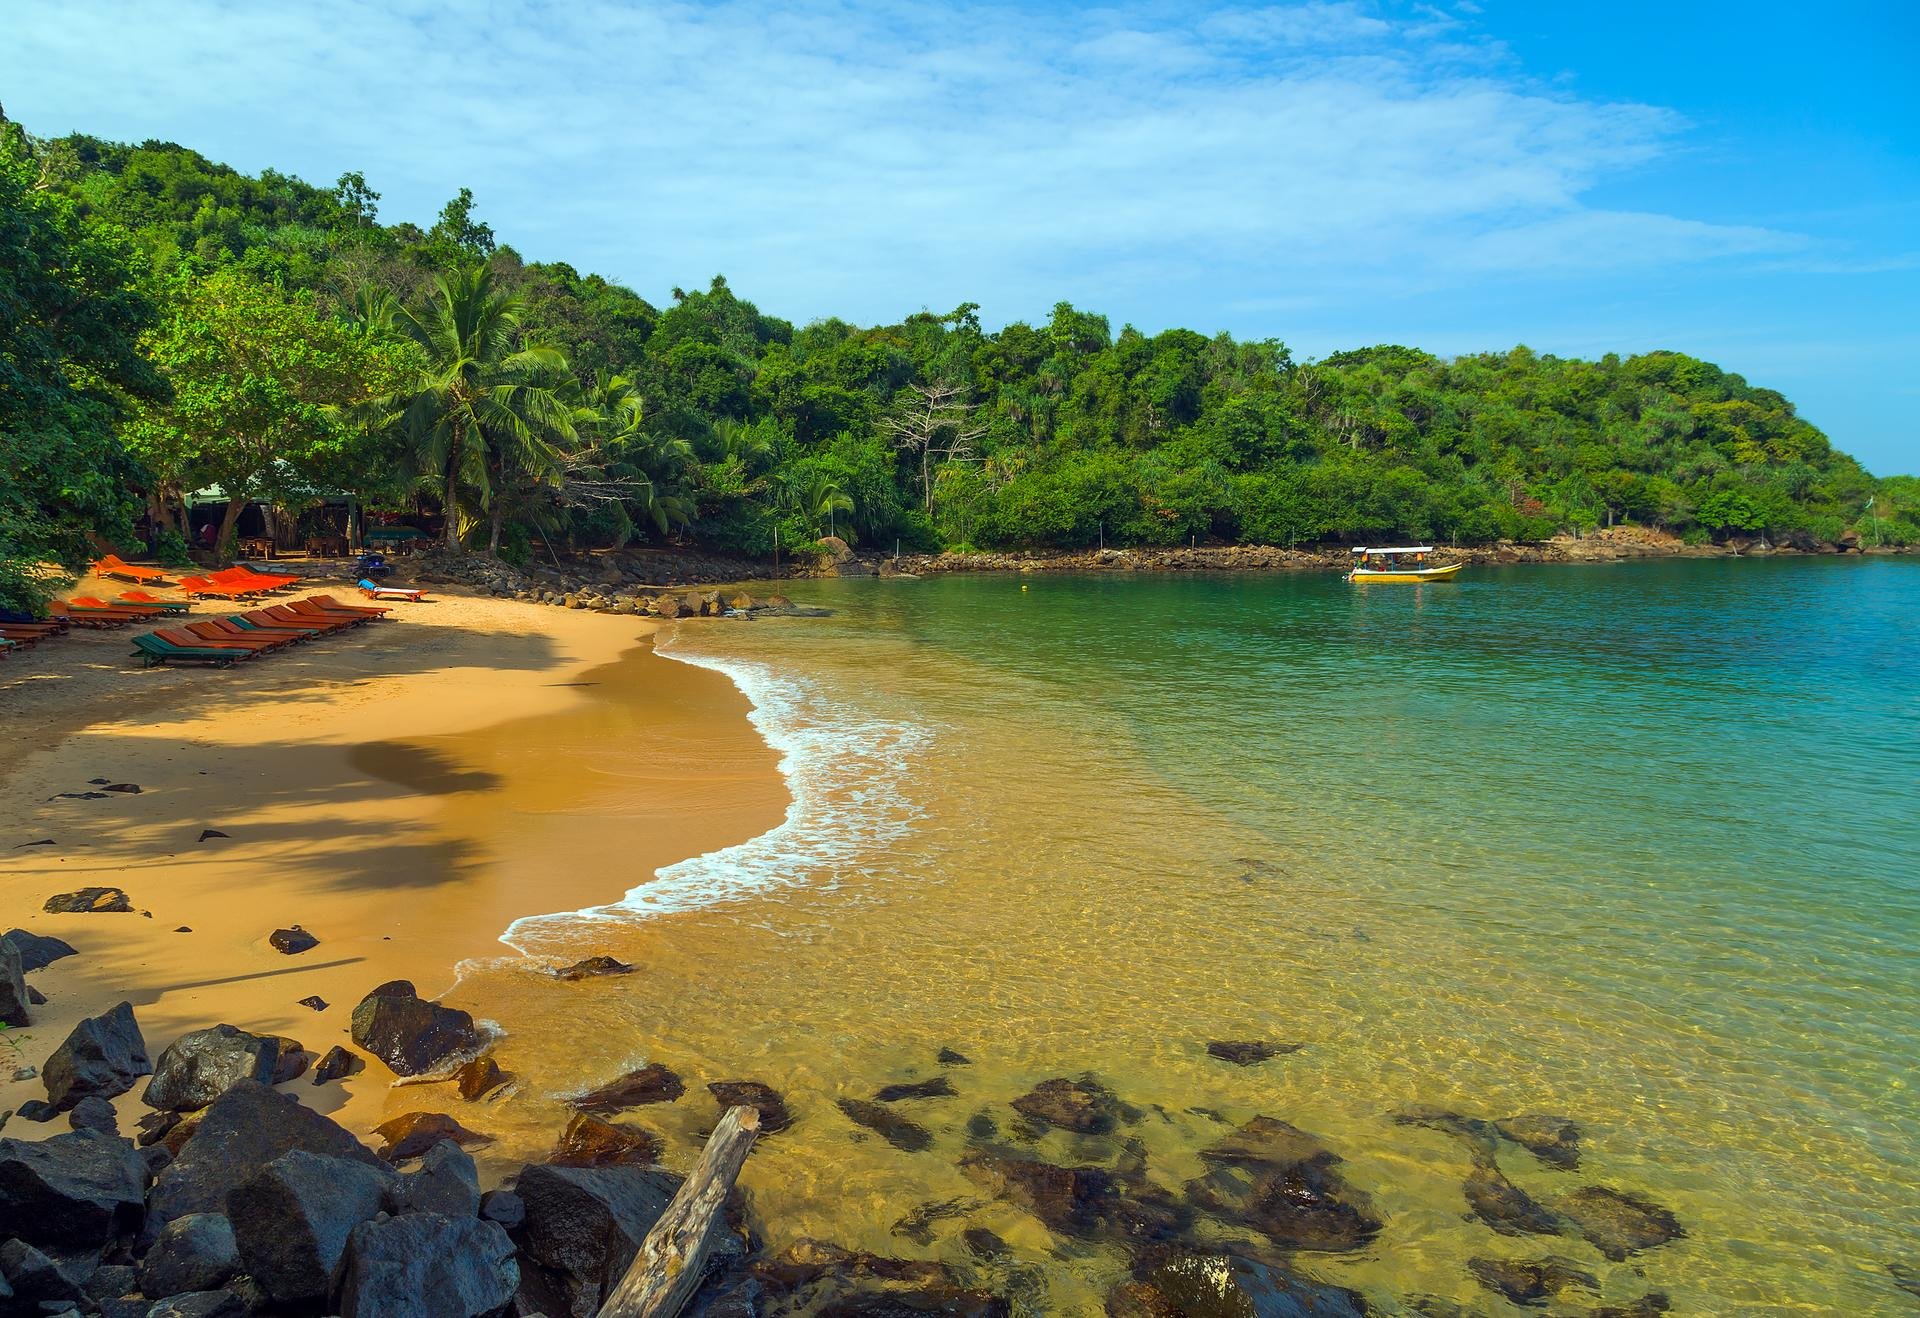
846,777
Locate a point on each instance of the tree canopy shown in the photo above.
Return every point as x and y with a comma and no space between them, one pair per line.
171,321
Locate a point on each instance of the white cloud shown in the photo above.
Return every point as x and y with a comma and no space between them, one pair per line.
863,159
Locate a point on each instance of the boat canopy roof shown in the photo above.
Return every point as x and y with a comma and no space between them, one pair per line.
1402,549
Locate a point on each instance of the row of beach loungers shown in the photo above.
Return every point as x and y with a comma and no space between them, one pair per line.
224,641
237,582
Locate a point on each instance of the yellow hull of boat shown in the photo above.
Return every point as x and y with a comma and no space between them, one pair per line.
1447,573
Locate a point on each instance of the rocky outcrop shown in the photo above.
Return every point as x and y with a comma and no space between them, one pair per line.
409,1034
198,1067
80,1188
292,1219
427,1265
103,1056
88,901
243,1130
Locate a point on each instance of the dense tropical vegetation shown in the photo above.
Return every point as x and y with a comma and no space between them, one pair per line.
172,324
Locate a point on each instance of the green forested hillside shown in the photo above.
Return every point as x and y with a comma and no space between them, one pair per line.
173,323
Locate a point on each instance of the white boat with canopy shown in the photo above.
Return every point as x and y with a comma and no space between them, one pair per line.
1399,563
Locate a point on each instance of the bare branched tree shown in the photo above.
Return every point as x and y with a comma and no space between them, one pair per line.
934,425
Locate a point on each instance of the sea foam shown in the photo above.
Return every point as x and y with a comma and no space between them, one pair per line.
846,772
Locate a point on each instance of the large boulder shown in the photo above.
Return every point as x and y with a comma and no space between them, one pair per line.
445,1182
241,1132
583,1225
293,1217
33,1277
427,1265
103,1056
193,1253
13,989
409,1034
37,951
80,1188
198,1067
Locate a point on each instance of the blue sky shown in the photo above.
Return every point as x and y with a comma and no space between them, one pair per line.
1736,181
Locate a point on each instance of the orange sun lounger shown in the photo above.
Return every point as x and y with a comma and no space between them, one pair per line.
226,590
242,575
112,565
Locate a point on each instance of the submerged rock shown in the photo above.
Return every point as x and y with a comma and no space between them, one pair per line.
1553,1140
907,1136
413,1133
409,1034
592,968
1194,1285
1249,1052
1084,1105
1530,1282
200,1066
103,1056
1089,1203
427,1265
763,1098
589,1141
88,901
477,1077
917,1225
938,1087
1477,1133
948,1057
1617,1223
652,1083
1280,1181
1507,1208
1650,1305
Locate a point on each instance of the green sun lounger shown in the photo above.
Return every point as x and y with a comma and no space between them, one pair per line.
151,650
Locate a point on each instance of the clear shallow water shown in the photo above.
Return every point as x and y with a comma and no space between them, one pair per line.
1639,845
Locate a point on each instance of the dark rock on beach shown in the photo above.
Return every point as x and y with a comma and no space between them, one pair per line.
938,1087
1553,1140
337,1065
103,1056
37,951
14,1002
590,1141
198,1067
94,1113
197,1252
504,1207
1507,1208
907,1136
243,1130
153,1127
583,1226
1249,1052
87,901
291,1220
290,1059
45,1281
315,1002
80,1188
1617,1223
37,1110
427,1265
201,1304
413,1133
292,941
652,1083
1085,1105
409,1034
592,968
1280,1181
1530,1282
763,1098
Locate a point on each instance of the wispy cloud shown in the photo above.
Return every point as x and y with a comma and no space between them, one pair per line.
867,159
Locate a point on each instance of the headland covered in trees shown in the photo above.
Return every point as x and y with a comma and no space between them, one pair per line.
175,325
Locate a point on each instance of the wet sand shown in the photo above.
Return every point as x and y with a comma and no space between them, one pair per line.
357,779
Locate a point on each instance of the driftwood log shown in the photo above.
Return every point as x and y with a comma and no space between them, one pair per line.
666,1271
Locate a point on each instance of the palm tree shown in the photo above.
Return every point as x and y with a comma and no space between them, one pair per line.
817,495
481,407
651,469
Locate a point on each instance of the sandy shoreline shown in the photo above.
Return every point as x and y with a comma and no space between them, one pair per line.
373,791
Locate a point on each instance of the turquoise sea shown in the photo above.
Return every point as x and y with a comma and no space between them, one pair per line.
1635,845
